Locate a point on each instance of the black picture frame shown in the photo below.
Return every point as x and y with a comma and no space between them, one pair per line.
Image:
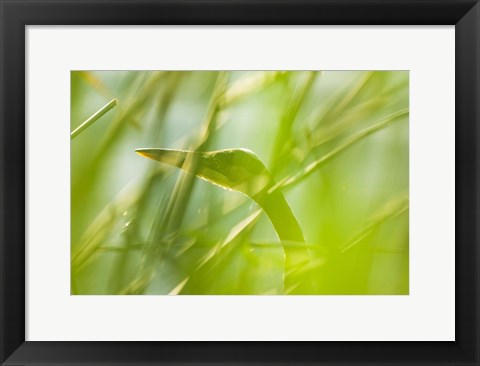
17,14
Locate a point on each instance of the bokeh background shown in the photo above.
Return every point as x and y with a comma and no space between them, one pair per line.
142,227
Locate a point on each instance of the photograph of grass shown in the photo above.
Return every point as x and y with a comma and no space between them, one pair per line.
239,182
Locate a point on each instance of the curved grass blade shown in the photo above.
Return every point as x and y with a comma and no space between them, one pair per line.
237,170
242,171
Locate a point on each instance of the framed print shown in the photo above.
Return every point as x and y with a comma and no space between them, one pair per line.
239,182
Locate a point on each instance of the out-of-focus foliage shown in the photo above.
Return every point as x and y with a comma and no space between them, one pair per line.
316,170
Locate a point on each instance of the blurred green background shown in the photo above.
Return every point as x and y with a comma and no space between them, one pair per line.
338,138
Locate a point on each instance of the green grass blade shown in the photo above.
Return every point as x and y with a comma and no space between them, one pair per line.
349,141
238,170
93,118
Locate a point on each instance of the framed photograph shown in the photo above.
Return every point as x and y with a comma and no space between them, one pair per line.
269,182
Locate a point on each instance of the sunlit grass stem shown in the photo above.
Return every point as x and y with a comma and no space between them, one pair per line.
93,118
349,141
